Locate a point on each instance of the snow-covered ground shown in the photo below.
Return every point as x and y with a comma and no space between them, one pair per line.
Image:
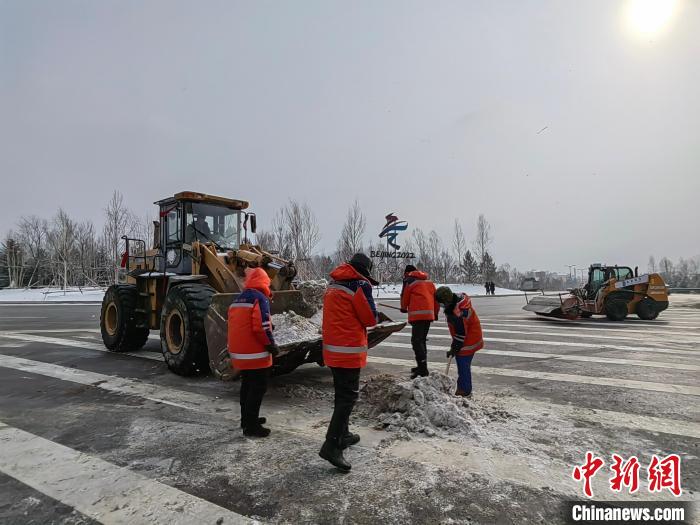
393,291
12,295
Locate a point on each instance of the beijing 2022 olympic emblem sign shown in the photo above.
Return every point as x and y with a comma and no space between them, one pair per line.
390,232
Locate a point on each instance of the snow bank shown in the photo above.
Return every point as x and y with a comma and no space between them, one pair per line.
425,404
393,291
76,295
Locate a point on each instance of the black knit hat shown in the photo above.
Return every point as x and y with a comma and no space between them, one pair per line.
409,268
363,264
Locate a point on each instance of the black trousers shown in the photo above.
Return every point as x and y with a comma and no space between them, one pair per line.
346,382
419,341
253,388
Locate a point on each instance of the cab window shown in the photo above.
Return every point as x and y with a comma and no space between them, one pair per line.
174,228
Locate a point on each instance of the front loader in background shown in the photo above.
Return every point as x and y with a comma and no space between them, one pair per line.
613,291
185,284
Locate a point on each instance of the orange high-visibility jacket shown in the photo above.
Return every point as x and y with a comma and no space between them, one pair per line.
418,297
465,327
348,310
250,324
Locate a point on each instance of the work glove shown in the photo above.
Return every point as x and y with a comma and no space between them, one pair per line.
404,311
454,349
273,349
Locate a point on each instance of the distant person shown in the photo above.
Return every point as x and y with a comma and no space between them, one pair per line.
252,347
488,287
418,300
467,337
493,288
348,310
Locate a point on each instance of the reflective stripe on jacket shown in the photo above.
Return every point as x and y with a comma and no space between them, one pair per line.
465,327
249,330
348,310
418,297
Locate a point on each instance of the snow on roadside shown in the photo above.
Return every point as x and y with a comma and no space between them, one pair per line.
393,291
40,295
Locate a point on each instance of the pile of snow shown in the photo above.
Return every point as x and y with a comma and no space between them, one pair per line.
313,291
425,404
78,295
393,291
292,328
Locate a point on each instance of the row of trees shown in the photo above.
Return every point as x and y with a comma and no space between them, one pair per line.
63,252
685,273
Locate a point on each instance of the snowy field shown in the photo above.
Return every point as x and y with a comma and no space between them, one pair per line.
40,295
393,291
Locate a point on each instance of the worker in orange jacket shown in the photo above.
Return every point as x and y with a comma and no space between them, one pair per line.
467,337
348,310
418,301
251,346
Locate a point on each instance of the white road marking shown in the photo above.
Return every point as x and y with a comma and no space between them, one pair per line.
101,490
406,332
532,342
584,331
77,344
568,378
22,317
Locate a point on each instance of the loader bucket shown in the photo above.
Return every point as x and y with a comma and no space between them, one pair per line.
216,326
291,355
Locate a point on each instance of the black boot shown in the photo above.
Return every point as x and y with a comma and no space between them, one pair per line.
349,439
261,421
331,452
421,371
256,431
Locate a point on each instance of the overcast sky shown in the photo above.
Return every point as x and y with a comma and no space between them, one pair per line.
571,125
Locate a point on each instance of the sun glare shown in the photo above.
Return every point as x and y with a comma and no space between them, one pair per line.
649,17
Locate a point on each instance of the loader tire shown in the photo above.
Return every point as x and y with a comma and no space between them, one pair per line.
182,337
616,309
647,310
119,324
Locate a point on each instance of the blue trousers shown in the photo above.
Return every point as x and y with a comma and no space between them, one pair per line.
464,371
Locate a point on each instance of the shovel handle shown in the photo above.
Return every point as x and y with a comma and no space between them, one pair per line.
389,306
447,368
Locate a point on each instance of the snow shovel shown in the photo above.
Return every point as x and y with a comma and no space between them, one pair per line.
447,368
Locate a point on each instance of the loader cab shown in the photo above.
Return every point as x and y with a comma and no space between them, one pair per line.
599,275
188,217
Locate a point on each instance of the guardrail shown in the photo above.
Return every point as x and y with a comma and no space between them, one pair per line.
683,290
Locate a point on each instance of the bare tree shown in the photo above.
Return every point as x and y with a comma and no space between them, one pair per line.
33,232
483,238
266,240
61,237
304,235
352,234
117,223
651,266
86,246
459,244
280,235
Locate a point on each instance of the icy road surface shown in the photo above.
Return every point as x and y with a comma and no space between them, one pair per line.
89,436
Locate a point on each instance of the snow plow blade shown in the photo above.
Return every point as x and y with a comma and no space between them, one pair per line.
545,305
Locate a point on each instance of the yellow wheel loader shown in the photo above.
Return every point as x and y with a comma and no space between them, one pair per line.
613,291
185,284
